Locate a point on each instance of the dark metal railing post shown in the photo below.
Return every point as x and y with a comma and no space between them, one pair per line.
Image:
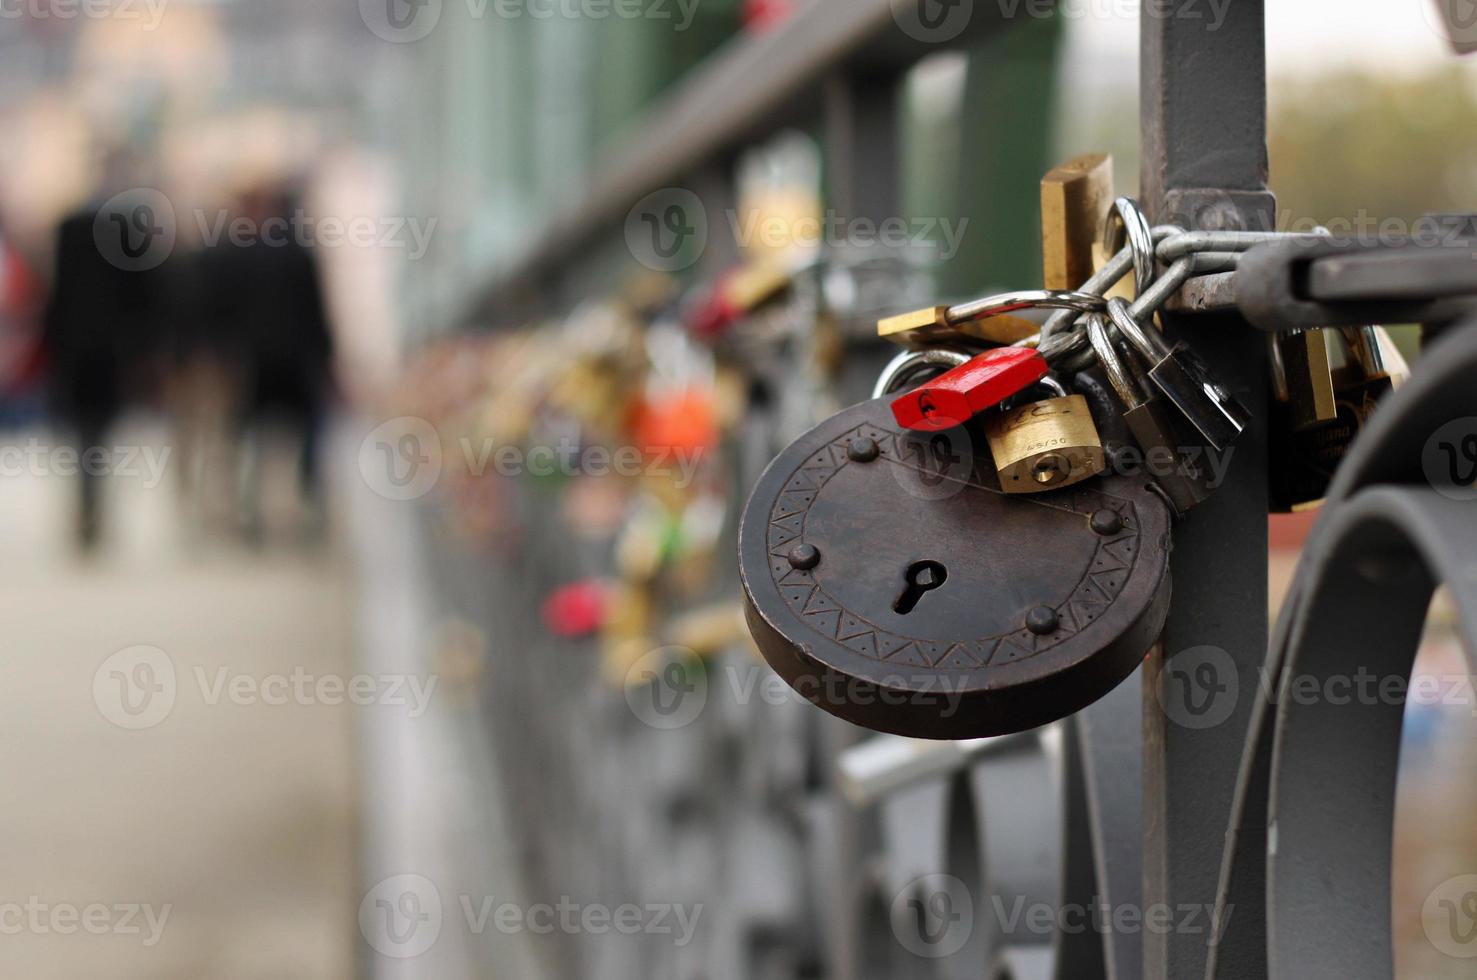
1203,116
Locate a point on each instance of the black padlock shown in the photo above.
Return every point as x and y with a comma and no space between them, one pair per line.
891,582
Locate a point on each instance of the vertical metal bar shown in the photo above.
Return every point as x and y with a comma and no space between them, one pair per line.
861,149
863,159
1010,87
1203,118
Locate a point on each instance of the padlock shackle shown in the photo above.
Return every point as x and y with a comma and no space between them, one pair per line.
1364,347
1126,220
1107,354
1147,342
1026,299
898,370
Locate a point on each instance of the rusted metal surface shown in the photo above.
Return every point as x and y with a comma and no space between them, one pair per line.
1032,607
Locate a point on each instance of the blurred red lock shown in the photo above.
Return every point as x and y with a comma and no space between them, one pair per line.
577,609
959,394
682,423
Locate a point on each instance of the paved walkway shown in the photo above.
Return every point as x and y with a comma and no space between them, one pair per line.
217,842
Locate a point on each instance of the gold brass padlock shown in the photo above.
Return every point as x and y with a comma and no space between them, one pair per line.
930,325
1074,198
1045,445
1302,376
1304,458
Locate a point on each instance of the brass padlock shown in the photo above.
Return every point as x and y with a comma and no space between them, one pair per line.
1305,457
1302,376
1047,444
931,325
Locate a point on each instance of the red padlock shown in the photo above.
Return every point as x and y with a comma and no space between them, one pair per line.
959,394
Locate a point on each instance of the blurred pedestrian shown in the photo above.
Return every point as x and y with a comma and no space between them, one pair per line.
270,285
101,323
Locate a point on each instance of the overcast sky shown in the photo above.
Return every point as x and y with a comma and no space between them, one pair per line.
1303,36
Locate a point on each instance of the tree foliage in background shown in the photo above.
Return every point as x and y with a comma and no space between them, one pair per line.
1357,146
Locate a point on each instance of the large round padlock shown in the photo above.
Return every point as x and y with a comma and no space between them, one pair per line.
890,581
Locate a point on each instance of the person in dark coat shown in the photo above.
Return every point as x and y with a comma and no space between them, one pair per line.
99,325
271,294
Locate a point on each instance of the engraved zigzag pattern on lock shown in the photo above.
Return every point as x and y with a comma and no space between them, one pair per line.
1099,585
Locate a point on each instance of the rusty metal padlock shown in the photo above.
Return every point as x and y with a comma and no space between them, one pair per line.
890,581
1046,444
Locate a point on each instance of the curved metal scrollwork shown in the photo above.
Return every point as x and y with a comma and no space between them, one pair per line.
1306,870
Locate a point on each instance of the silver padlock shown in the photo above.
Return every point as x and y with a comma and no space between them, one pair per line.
1184,379
1148,419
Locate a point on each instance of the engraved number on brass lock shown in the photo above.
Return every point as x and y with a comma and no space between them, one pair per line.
921,576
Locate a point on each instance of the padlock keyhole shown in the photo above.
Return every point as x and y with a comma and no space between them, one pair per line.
921,576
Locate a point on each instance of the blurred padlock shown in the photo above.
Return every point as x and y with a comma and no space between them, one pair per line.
1303,459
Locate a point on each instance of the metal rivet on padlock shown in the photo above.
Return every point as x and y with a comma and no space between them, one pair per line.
960,393
1045,445
955,614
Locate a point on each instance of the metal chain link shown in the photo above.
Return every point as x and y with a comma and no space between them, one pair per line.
1141,249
